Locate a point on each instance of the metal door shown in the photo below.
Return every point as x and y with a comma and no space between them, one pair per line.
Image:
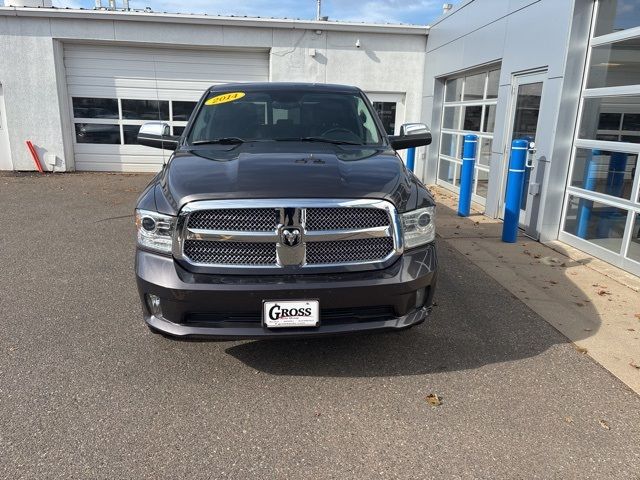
526,102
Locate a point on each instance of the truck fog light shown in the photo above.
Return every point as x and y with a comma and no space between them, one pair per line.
420,297
153,302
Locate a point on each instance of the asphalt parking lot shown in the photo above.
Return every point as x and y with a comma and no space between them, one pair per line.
86,391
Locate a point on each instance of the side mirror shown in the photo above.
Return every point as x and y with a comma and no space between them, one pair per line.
411,135
156,135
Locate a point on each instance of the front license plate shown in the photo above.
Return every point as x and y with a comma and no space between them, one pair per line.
290,313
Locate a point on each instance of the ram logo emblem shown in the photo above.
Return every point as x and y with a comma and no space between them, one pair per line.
290,236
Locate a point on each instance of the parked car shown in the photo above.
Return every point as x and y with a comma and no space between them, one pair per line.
284,211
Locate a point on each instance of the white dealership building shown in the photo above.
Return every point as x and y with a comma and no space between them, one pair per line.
565,74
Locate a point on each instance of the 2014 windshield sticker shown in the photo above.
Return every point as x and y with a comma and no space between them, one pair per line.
224,98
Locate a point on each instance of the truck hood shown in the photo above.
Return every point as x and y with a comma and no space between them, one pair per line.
285,170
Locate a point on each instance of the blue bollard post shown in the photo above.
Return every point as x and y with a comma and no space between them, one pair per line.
466,175
515,184
411,158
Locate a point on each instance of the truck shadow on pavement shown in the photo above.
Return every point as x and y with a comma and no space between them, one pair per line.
475,322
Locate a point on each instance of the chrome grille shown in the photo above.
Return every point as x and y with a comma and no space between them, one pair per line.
348,251
291,233
235,219
345,218
230,253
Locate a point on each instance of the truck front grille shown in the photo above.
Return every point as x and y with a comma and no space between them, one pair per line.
287,233
230,253
235,219
345,218
347,251
253,318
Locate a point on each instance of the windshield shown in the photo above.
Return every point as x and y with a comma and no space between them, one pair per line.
235,117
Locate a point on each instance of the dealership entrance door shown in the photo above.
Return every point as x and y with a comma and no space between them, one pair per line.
390,109
526,104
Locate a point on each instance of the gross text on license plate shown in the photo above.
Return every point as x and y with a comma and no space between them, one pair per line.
290,313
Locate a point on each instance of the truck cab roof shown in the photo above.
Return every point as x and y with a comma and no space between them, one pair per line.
283,86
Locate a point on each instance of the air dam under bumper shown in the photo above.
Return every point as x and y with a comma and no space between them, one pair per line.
230,306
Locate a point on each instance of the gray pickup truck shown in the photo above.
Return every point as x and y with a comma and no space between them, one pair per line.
284,211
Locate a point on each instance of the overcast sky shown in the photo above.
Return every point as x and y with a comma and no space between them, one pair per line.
378,11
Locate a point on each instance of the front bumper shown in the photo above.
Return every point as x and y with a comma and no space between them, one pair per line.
230,306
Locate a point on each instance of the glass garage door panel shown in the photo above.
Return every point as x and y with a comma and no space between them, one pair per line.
611,119
602,200
98,133
599,223
447,171
451,118
122,92
614,64
605,172
145,109
614,16
469,108
95,107
634,245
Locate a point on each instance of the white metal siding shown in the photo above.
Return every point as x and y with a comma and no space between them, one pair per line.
123,72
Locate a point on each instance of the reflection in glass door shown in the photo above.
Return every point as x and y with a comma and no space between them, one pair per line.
525,124
387,113
525,115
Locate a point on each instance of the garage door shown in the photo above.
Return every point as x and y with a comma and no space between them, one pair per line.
114,89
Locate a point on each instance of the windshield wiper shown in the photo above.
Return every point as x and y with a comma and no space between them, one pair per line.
222,141
317,139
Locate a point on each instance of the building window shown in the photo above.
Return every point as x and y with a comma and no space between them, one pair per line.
130,134
95,107
597,222
614,64
182,110
145,109
178,130
469,107
606,172
616,15
453,91
97,133
116,121
602,203
614,119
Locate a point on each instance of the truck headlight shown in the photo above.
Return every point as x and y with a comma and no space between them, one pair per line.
155,230
418,226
